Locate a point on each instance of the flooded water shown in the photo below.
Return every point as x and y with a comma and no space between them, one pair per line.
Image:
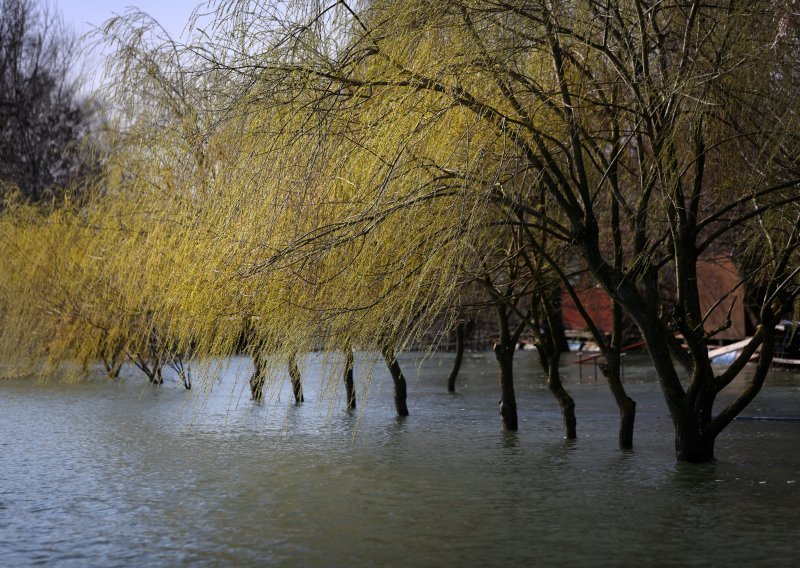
121,474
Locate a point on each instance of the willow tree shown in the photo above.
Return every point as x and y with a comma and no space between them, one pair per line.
138,269
335,174
641,101
273,234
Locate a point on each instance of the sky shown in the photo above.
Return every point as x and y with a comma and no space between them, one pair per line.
82,16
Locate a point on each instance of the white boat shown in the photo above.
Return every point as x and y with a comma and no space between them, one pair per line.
727,354
787,348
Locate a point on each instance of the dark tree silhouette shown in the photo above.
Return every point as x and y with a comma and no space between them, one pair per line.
43,121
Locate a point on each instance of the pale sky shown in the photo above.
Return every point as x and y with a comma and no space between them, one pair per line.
85,15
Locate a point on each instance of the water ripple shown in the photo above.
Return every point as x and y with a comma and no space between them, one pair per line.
120,474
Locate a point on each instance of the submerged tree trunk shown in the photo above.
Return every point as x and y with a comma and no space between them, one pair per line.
153,374
296,378
451,380
508,401
155,377
692,444
113,366
565,402
348,379
258,378
625,404
549,347
613,354
504,353
550,357
186,377
612,369
150,367
398,379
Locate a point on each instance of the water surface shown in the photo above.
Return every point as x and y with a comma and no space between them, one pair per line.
121,474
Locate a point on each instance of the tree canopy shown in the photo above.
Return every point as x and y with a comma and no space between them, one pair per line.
44,122
326,175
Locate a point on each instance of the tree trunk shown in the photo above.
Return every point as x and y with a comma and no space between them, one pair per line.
258,379
627,419
157,378
691,444
555,319
398,379
348,379
153,372
113,366
627,406
186,377
549,346
296,378
613,355
612,369
504,352
565,401
451,380
508,402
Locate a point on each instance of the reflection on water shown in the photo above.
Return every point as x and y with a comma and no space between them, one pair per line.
110,474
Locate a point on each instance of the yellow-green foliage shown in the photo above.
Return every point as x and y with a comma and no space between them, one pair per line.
319,185
304,230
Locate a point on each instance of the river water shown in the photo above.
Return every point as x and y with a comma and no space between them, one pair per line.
104,473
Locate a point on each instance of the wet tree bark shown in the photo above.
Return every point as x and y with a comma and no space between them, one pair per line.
508,401
549,348
258,378
549,356
156,377
398,379
150,367
451,380
692,444
556,319
113,366
296,378
504,353
349,385
612,369
186,378
565,402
